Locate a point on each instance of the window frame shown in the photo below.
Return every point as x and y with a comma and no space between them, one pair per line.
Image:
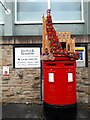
64,21
2,22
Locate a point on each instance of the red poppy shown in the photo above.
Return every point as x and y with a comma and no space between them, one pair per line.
54,45
54,48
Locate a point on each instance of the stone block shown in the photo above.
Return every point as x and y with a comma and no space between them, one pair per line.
19,81
18,90
84,88
26,81
85,99
5,89
26,92
87,82
4,82
6,78
22,96
9,94
27,88
8,100
88,91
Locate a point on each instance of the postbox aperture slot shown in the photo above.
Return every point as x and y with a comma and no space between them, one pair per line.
68,64
51,64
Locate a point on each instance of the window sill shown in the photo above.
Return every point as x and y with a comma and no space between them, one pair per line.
1,23
55,22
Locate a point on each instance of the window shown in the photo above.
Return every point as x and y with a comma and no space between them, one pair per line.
1,13
66,11
30,10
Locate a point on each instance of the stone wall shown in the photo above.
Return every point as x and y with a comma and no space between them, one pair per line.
23,85
82,85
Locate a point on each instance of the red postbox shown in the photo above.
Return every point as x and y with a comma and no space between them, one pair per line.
59,69
60,81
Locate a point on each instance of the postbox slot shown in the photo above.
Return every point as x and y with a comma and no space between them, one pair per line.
68,64
51,64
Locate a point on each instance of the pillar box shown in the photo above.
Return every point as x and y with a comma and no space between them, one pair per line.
59,66
60,81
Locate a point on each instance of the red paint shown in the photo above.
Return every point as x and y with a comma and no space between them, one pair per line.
60,92
5,73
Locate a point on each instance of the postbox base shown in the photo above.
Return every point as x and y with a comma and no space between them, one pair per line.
60,112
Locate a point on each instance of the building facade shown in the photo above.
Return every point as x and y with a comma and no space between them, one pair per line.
22,28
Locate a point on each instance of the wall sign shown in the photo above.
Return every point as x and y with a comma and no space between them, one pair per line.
27,57
70,77
5,70
51,77
82,60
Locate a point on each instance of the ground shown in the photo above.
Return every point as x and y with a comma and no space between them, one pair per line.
35,112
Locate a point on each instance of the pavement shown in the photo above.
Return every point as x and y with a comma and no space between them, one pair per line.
35,112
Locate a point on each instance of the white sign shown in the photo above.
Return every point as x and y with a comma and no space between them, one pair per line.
51,77
27,57
81,61
5,70
70,77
